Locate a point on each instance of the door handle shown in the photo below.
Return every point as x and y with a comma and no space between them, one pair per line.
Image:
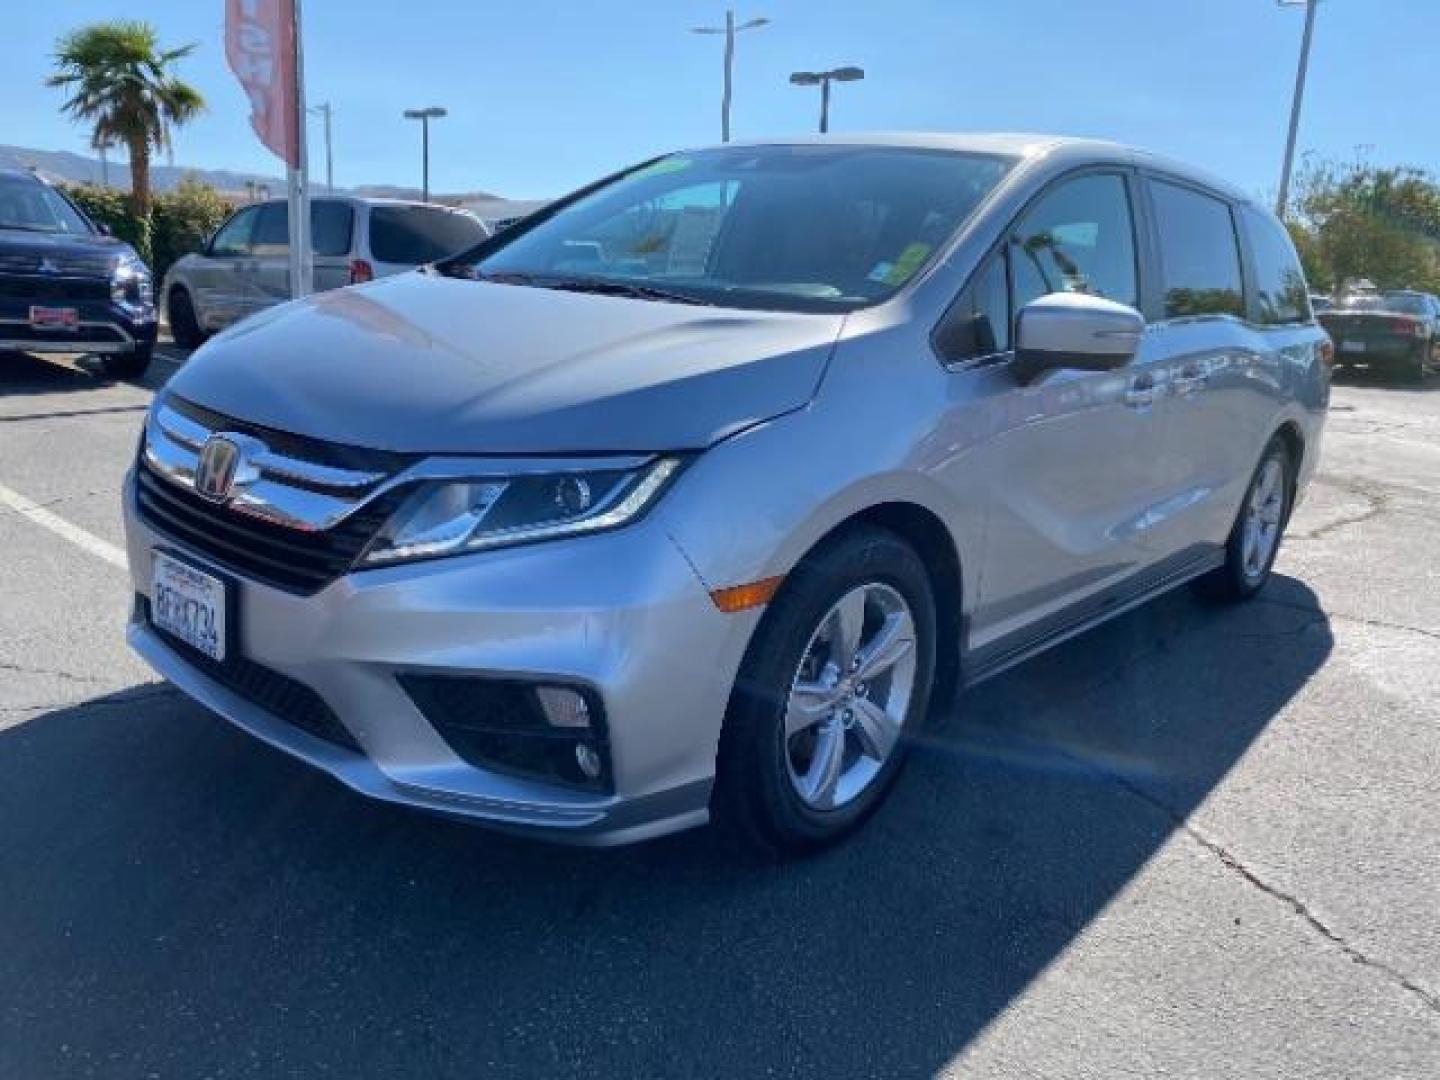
1141,392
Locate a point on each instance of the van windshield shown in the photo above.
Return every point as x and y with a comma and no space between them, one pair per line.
29,205
786,228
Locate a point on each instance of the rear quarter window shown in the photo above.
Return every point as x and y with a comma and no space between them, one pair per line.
1281,295
418,234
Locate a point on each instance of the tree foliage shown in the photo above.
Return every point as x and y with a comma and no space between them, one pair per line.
179,223
123,84
1358,221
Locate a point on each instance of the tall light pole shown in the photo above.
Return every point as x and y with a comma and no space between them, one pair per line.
1283,202
324,110
425,116
823,79
730,29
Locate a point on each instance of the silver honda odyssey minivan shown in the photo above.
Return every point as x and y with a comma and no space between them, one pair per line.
698,494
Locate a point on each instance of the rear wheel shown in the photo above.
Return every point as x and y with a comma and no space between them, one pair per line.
839,672
184,327
1255,538
130,365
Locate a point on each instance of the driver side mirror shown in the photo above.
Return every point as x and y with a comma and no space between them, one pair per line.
1074,331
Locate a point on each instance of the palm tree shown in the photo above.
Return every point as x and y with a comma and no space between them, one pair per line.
123,84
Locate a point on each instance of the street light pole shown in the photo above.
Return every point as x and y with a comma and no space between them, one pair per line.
823,79
730,29
425,116
324,110
1283,202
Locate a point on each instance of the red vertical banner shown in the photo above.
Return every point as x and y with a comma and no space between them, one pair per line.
260,49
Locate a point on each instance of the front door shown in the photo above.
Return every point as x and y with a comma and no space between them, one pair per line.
222,275
1070,467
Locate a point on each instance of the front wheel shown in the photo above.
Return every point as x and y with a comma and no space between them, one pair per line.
184,326
1255,538
839,673
128,365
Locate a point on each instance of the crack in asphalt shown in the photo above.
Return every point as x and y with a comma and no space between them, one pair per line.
11,512
69,676
1379,504
1429,998
114,701
67,414
1361,620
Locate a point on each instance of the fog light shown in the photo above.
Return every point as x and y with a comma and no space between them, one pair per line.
588,760
563,707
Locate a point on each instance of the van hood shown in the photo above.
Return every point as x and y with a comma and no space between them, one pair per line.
23,250
424,363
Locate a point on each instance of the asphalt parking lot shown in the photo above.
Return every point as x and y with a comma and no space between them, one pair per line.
1194,843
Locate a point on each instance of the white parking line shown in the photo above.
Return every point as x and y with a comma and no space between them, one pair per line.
101,549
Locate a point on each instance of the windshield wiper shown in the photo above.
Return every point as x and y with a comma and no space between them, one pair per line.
29,228
599,286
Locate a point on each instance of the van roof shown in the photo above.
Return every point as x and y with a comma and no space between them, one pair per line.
1026,145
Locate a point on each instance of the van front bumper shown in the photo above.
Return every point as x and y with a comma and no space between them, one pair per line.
621,614
104,327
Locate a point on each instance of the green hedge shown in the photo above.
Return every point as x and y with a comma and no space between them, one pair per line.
179,223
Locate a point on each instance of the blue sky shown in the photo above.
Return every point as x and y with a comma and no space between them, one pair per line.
546,94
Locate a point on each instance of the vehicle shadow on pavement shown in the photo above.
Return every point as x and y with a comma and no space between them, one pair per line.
24,374
177,898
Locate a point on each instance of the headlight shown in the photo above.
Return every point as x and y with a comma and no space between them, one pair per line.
130,282
449,517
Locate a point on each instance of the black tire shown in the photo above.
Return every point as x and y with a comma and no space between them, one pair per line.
755,805
1231,583
184,327
129,365
1418,367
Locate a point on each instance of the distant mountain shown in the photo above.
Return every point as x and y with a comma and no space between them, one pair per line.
79,169
391,191
62,165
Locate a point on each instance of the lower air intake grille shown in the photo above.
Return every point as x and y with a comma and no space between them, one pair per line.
279,695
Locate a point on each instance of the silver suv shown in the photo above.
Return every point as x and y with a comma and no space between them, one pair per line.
245,266
696,495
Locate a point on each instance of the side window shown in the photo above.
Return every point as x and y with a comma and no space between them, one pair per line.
1079,238
1199,255
272,231
331,225
978,323
233,239
1280,290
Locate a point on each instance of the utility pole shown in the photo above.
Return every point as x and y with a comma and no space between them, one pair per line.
823,79
434,112
324,109
730,29
1283,202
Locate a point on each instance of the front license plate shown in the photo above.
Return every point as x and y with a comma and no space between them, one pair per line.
1353,346
55,318
189,604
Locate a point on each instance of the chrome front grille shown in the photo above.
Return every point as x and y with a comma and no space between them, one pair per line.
298,524
60,264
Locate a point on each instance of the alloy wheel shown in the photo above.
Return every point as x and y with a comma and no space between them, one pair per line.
1263,516
850,696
